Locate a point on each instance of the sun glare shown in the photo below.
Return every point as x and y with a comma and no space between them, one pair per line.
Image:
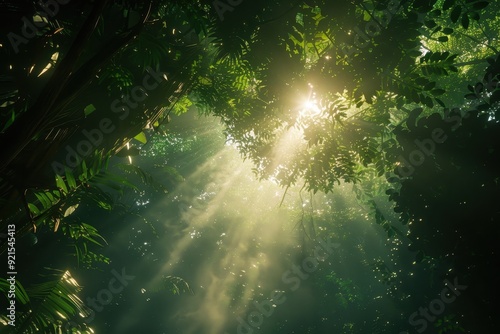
309,107
310,104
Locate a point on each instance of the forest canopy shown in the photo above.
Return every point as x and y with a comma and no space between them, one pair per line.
398,99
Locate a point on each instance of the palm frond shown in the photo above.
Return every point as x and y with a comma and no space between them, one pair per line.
51,304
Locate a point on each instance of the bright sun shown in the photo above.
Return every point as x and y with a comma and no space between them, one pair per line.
310,104
310,108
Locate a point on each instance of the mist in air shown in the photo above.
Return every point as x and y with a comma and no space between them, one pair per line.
223,252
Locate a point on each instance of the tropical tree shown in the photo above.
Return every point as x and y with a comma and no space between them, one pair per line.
314,93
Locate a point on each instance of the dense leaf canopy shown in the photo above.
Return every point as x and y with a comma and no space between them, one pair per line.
398,98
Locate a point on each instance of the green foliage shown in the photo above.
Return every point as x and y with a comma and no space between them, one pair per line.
463,11
116,78
54,208
438,63
182,105
20,292
371,95
47,306
346,135
84,234
146,177
306,38
368,192
447,323
347,291
173,284
149,50
53,205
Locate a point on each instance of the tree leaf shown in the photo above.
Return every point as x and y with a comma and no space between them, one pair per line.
455,13
89,109
84,175
61,184
430,24
447,4
34,209
441,103
480,5
44,200
430,85
437,92
447,31
70,179
465,21
70,210
141,137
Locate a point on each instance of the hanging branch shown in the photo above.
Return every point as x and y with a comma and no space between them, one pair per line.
23,130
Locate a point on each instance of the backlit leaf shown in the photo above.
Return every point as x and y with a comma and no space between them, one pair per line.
141,137
455,13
